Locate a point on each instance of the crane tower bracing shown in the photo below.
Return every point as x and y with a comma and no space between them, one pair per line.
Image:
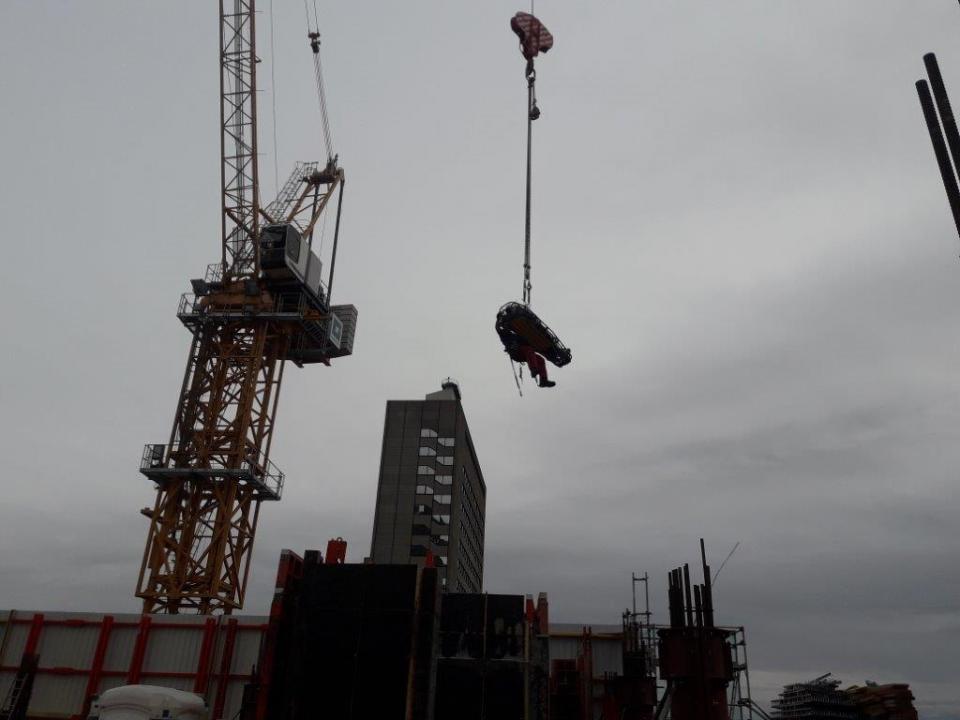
264,303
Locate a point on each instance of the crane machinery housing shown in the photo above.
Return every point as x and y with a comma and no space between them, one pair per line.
264,303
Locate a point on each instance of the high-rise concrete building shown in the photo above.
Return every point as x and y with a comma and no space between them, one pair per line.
431,496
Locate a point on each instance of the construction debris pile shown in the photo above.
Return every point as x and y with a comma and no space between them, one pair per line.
884,702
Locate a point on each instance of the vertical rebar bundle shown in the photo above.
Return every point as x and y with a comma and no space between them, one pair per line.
695,658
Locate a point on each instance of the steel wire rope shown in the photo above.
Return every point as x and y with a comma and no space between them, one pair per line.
321,92
515,378
527,287
531,116
314,35
306,11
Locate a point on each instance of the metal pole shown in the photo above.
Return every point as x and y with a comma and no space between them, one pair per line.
746,668
940,150
703,561
688,594
336,237
646,592
947,119
646,613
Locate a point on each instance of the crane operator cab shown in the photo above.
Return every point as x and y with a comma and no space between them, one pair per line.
287,260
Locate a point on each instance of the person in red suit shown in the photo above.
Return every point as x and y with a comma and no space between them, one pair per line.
523,353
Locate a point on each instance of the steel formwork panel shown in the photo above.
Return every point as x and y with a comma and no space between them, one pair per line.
182,652
607,643
120,650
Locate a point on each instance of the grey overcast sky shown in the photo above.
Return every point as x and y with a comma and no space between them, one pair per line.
739,229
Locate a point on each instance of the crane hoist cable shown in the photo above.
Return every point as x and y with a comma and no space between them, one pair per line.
533,112
534,39
525,337
321,92
332,175
313,33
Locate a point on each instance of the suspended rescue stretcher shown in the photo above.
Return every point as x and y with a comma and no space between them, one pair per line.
526,338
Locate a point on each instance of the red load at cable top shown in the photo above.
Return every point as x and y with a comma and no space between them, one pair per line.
534,37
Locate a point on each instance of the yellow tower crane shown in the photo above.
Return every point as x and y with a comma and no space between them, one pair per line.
267,301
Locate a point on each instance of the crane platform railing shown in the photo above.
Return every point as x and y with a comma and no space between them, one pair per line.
159,463
319,335
287,197
295,306
214,273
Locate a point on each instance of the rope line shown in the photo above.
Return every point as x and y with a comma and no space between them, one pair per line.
533,112
322,96
513,368
314,35
527,287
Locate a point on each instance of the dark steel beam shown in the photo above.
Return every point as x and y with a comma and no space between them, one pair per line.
947,173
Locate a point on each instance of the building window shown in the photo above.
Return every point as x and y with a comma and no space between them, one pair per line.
427,452
443,479
420,509
441,519
446,460
424,490
446,442
441,560
424,470
442,499
441,539
427,432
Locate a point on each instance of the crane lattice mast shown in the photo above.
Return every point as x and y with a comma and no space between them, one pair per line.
246,319
238,138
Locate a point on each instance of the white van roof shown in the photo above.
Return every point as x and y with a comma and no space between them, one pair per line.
133,702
